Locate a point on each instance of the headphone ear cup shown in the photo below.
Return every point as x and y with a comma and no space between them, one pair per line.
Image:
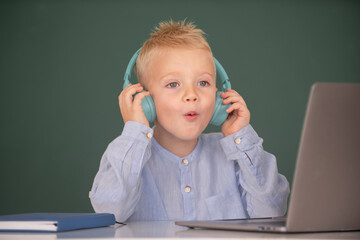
220,114
148,107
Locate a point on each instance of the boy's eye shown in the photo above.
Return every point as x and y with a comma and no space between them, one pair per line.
173,85
203,83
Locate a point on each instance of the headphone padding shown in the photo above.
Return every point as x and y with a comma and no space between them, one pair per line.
148,107
220,114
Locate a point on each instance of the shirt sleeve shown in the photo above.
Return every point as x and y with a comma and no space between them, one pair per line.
117,185
264,191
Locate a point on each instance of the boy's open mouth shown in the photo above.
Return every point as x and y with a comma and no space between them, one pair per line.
191,115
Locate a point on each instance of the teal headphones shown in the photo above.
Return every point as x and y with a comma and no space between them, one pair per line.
219,115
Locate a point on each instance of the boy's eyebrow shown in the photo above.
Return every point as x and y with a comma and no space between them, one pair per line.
210,74
169,74
179,73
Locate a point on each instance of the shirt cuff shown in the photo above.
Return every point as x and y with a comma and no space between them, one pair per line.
243,140
137,131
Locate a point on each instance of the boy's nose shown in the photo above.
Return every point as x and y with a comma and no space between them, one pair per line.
190,96
191,99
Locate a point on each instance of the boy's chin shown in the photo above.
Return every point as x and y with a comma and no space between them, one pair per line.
190,138
189,135
186,133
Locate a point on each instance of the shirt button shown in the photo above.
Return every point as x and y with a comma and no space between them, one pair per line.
185,162
187,189
237,140
149,135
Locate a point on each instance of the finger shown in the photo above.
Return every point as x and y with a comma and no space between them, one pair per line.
231,90
236,107
128,90
234,99
130,86
229,98
139,97
127,94
233,107
133,89
229,93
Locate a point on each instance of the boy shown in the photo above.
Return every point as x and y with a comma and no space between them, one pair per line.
173,171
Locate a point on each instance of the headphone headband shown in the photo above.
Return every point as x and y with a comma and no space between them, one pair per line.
220,71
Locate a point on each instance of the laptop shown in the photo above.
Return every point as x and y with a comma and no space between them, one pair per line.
326,186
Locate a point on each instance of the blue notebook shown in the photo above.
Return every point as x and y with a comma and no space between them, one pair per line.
54,222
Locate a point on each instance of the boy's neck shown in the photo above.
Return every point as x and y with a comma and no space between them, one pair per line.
180,148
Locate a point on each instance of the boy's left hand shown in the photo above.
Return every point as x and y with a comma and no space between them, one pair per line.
239,114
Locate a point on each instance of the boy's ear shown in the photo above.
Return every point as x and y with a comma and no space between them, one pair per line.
144,86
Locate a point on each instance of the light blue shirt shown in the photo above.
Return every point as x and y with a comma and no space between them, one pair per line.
223,178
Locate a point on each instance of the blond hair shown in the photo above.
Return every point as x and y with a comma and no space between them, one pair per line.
169,34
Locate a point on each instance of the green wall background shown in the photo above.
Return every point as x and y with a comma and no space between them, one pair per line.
62,64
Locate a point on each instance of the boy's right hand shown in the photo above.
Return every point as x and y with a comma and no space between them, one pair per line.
130,107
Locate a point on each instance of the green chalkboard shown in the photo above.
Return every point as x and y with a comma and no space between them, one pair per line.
62,64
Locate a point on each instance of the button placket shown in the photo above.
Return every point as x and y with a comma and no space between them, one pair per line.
185,175
187,189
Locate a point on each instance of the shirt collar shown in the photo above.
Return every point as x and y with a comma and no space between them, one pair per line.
172,157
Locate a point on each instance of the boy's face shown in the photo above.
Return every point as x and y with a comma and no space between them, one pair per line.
182,83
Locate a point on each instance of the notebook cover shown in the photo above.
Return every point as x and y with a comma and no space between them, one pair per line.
65,221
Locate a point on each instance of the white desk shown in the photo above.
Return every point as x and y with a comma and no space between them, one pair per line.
168,230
